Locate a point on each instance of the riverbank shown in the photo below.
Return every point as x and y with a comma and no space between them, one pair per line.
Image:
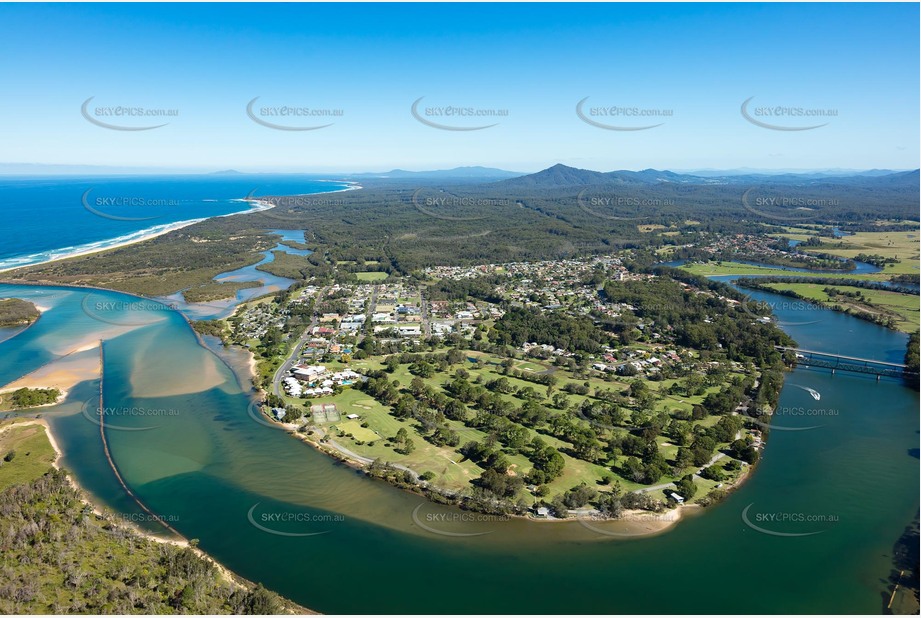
889,309
409,480
125,523
903,599
876,421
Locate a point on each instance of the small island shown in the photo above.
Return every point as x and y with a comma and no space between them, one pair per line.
17,312
29,398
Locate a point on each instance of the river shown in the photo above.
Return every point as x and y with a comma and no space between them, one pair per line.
842,474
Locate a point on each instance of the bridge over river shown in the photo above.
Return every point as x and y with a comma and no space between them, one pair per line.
840,362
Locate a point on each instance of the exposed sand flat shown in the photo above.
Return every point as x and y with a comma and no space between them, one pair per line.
165,377
86,341
62,374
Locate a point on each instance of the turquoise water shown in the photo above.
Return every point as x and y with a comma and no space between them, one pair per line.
267,282
56,217
218,475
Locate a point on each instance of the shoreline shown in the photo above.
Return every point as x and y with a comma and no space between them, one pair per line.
362,466
169,227
100,511
257,205
661,522
60,399
55,374
666,519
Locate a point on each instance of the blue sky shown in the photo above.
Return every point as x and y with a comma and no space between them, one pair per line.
537,61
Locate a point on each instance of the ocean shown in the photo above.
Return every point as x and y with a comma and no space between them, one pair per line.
47,218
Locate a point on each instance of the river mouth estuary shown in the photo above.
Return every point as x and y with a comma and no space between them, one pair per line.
816,522
460,309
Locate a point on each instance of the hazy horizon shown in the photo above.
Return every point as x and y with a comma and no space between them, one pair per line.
51,169
334,87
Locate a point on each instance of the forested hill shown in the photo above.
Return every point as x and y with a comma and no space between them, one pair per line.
560,175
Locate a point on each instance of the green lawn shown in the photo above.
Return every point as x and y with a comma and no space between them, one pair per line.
903,246
529,366
33,457
371,276
451,471
710,269
358,432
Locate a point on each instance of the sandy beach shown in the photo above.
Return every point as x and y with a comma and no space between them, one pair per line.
77,253
258,205
80,365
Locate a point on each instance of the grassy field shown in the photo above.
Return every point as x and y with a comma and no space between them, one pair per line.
451,471
710,269
371,276
529,366
904,307
33,454
358,432
903,246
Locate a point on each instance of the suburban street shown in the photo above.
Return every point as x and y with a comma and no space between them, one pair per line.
295,351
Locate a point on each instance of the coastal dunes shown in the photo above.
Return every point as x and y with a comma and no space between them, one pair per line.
180,259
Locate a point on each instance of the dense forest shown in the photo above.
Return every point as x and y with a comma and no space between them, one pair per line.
523,324
57,557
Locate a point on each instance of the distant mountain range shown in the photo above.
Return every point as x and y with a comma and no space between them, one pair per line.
562,176
475,171
556,177
749,171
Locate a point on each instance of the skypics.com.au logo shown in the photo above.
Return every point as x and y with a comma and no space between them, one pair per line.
290,117
455,117
779,117
626,117
124,117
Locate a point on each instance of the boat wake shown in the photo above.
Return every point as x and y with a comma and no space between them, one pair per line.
815,394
